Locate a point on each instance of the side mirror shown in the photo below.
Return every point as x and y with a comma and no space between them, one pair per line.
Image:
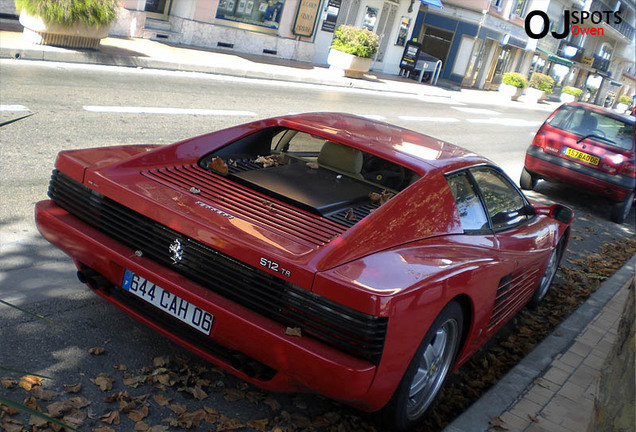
562,213
557,211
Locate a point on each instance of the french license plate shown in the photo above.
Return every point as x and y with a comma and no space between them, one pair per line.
166,301
593,160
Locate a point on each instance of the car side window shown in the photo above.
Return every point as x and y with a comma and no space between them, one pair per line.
505,205
471,212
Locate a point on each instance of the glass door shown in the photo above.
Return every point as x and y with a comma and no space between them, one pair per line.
157,9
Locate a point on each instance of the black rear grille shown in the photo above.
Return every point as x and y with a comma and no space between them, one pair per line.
351,331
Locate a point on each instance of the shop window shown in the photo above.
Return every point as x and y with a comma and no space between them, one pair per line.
260,13
605,51
370,18
497,4
519,8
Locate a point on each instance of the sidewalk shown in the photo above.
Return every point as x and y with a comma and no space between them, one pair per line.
553,388
149,54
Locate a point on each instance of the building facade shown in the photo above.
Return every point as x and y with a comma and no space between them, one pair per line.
299,30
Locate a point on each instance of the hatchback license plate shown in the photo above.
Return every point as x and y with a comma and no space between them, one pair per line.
593,160
169,303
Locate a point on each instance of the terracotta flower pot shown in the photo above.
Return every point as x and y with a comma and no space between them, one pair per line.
78,35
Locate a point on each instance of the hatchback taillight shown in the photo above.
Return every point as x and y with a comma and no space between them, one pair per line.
627,169
539,140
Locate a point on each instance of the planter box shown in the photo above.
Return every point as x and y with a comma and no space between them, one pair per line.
347,64
567,97
78,35
534,95
510,92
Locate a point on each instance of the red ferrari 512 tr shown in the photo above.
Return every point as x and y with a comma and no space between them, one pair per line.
322,252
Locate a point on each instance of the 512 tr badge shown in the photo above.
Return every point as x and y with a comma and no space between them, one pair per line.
274,266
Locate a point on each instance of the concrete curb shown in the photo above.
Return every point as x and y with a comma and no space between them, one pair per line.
101,58
505,393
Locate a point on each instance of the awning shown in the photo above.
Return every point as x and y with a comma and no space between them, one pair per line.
436,3
555,58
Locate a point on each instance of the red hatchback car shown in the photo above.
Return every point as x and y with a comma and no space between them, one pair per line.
322,252
588,147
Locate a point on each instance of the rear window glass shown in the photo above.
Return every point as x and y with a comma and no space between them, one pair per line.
594,125
280,146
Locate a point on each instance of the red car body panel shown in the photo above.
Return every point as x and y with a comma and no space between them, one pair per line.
613,176
405,261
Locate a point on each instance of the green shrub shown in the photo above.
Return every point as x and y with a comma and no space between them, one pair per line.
572,90
69,12
542,82
515,79
354,40
624,99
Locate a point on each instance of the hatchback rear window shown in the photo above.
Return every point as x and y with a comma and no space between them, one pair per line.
594,125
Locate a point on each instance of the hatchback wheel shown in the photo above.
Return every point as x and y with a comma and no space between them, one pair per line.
527,180
427,371
621,209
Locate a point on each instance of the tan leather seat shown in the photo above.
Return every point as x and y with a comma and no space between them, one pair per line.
340,158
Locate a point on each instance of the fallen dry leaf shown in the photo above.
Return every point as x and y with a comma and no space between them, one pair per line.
293,331
42,394
141,427
72,388
138,414
313,165
103,429
227,424
350,215
111,417
97,351
177,408
11,427
29,381
8,383
217,164
103,381
232,395
161,400
260,425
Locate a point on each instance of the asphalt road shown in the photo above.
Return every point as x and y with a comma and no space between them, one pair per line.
82,107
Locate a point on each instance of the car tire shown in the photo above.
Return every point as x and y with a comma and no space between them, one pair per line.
427,371
621,209
548,276
527,180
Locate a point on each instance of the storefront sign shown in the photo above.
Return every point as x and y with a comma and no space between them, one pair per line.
587,60
306,18
329,22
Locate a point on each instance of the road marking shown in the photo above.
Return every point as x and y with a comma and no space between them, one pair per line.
14,108
477,111
429,119
169,111
506,122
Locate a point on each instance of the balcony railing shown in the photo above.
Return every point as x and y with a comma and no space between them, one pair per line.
601,64
623,27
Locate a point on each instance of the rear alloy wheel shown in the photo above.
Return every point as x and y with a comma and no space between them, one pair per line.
621,209
427,371
547,278
527,180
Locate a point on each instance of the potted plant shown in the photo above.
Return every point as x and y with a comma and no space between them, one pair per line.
351,50
570,94
512,85
623,103
67,23
540,86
